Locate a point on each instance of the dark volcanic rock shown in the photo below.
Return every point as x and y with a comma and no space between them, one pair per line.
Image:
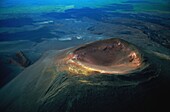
20,59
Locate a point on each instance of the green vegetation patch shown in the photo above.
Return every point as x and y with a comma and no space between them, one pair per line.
161,8
35,9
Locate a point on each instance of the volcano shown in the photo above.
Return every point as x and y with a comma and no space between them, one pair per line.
104,75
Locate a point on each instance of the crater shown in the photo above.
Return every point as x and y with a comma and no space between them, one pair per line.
111,56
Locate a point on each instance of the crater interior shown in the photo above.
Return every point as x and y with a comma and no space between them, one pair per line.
111,56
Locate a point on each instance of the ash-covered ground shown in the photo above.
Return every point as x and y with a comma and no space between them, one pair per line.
29,45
